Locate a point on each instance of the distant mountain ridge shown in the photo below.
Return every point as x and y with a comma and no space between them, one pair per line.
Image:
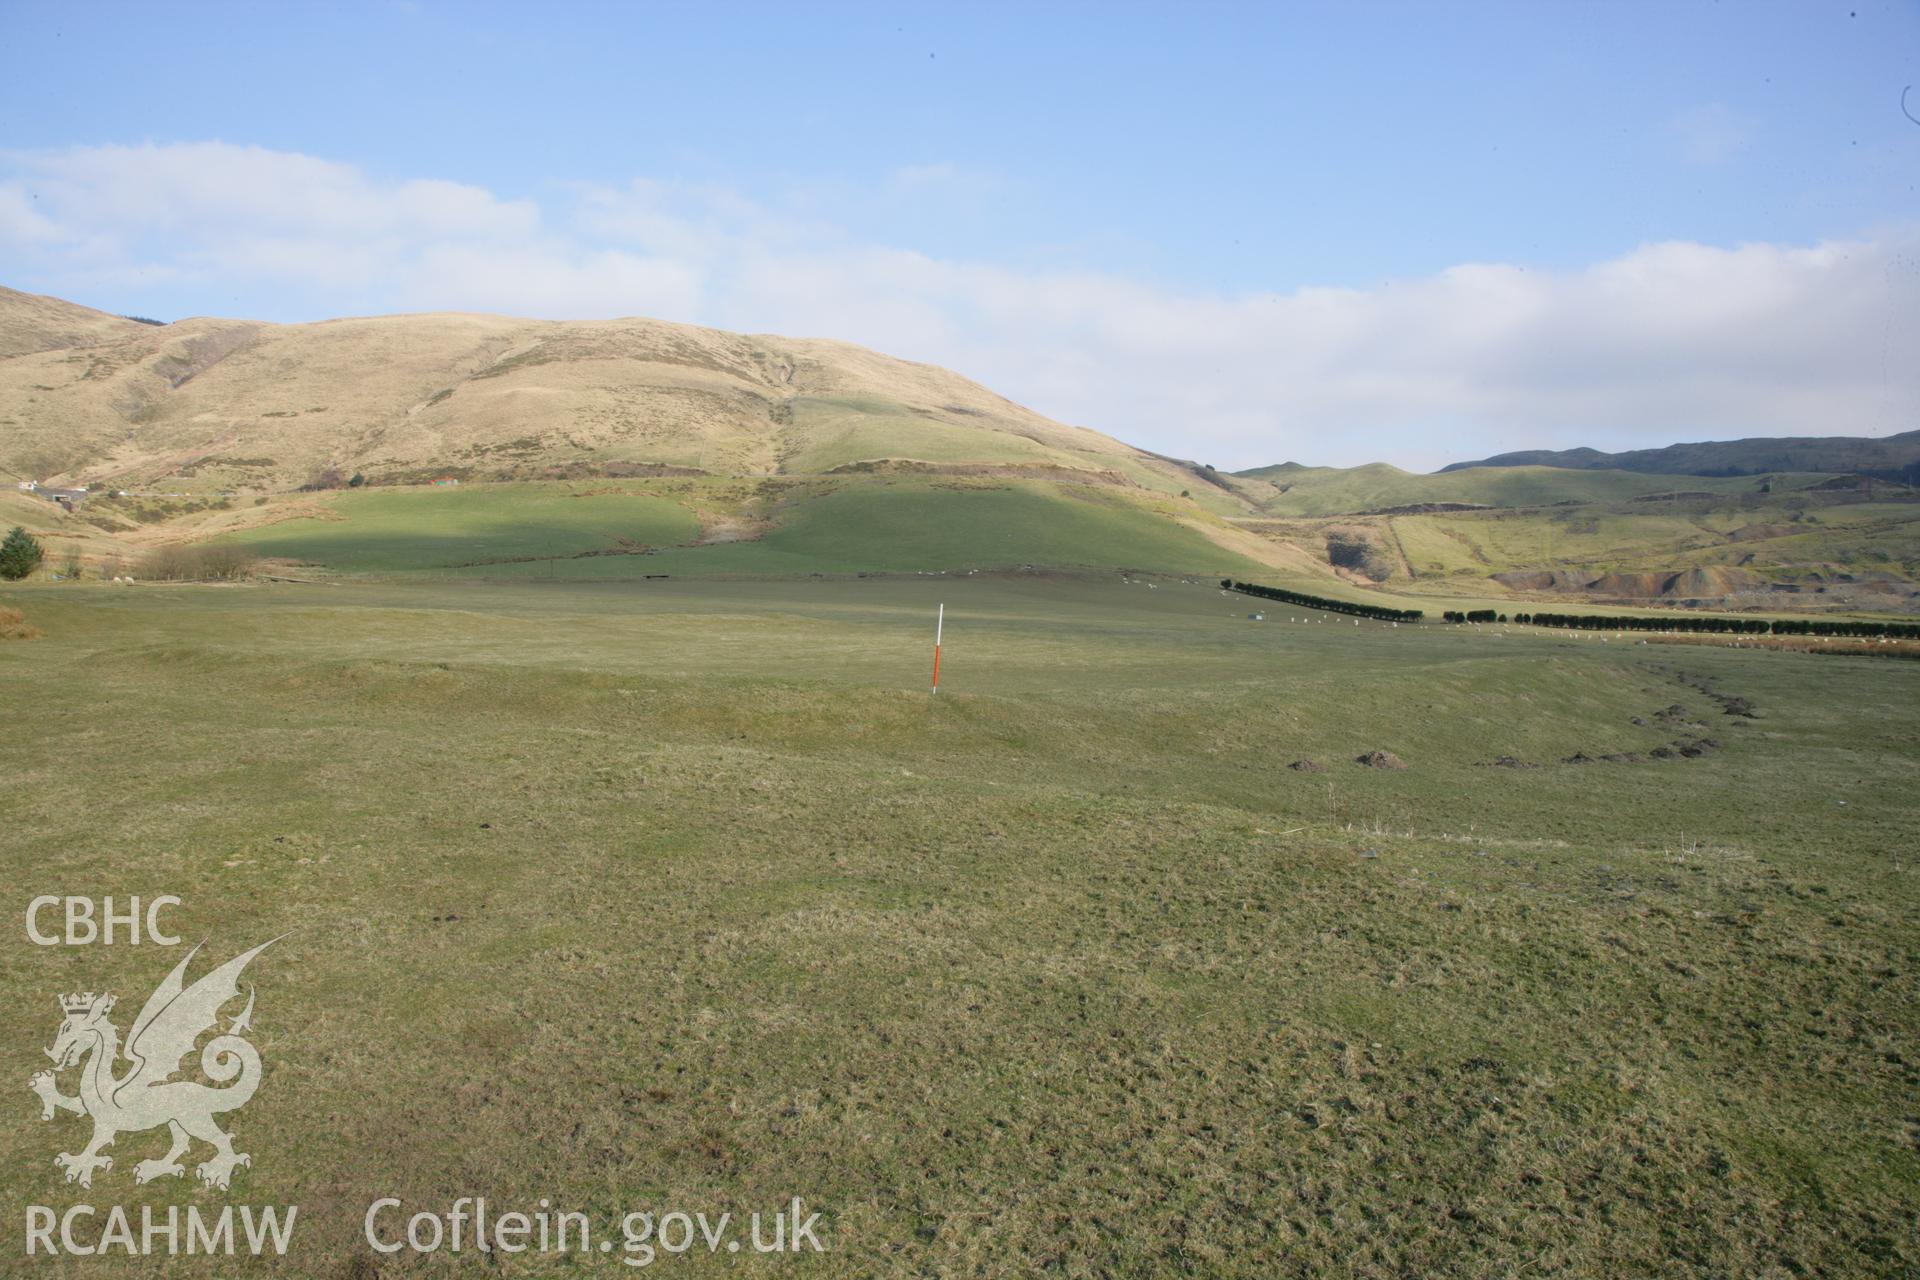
1895,457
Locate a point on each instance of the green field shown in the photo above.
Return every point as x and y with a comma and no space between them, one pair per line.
687,894
1325,491
1606,540
819,526
1784,537
412,528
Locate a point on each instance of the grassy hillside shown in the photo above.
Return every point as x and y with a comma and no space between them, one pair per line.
210,406
833,526
1771,542
1754,551
583,445
1323,491
686,895
432,528
31,323
764,455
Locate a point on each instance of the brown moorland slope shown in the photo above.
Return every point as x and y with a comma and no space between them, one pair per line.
30,322
205,405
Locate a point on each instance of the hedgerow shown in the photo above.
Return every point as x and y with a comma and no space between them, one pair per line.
1376,612
1725,626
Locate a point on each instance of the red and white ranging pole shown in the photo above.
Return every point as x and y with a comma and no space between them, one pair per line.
939,624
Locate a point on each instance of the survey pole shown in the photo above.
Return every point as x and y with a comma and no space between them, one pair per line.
939,625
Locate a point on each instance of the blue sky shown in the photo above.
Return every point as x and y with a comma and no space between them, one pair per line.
1146,219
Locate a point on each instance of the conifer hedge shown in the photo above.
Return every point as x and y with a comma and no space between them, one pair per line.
1725,626
1281,594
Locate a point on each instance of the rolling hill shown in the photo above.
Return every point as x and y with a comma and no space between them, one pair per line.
1530,532
1895,457
481,445
211,406
340,443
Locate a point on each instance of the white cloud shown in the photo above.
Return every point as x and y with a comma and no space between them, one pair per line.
1668,341
549,282
21,221
205,189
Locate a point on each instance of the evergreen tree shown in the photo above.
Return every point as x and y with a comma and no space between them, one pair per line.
20,554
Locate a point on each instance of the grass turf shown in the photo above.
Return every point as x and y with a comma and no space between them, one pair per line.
686,893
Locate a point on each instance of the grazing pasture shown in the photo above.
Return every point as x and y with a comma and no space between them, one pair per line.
686,894
426,527
710,527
